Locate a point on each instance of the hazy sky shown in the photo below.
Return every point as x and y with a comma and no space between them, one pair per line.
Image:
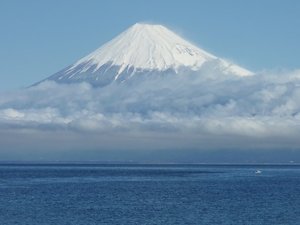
38,38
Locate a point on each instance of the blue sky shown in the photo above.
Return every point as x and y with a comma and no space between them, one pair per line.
223,113
38,38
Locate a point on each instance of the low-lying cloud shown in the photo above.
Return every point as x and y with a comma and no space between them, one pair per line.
194,111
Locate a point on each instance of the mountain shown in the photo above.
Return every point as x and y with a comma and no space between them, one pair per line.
143,50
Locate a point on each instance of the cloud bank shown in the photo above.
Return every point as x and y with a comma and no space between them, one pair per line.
189,111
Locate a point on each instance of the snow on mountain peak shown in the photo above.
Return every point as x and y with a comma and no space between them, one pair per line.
143,49
148,47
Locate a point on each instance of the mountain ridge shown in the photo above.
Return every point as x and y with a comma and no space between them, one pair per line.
139,50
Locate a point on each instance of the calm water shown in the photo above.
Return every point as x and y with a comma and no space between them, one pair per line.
149,194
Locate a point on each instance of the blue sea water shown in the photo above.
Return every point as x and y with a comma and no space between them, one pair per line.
86,194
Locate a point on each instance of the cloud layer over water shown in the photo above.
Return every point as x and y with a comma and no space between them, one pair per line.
193,111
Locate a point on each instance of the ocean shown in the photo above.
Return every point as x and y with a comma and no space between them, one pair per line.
92,194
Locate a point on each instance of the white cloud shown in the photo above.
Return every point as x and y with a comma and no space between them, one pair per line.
200,111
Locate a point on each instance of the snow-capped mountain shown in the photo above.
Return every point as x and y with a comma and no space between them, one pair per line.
143,49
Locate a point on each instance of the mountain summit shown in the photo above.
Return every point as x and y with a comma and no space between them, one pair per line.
142,49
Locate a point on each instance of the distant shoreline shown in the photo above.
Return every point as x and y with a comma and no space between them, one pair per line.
105,163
